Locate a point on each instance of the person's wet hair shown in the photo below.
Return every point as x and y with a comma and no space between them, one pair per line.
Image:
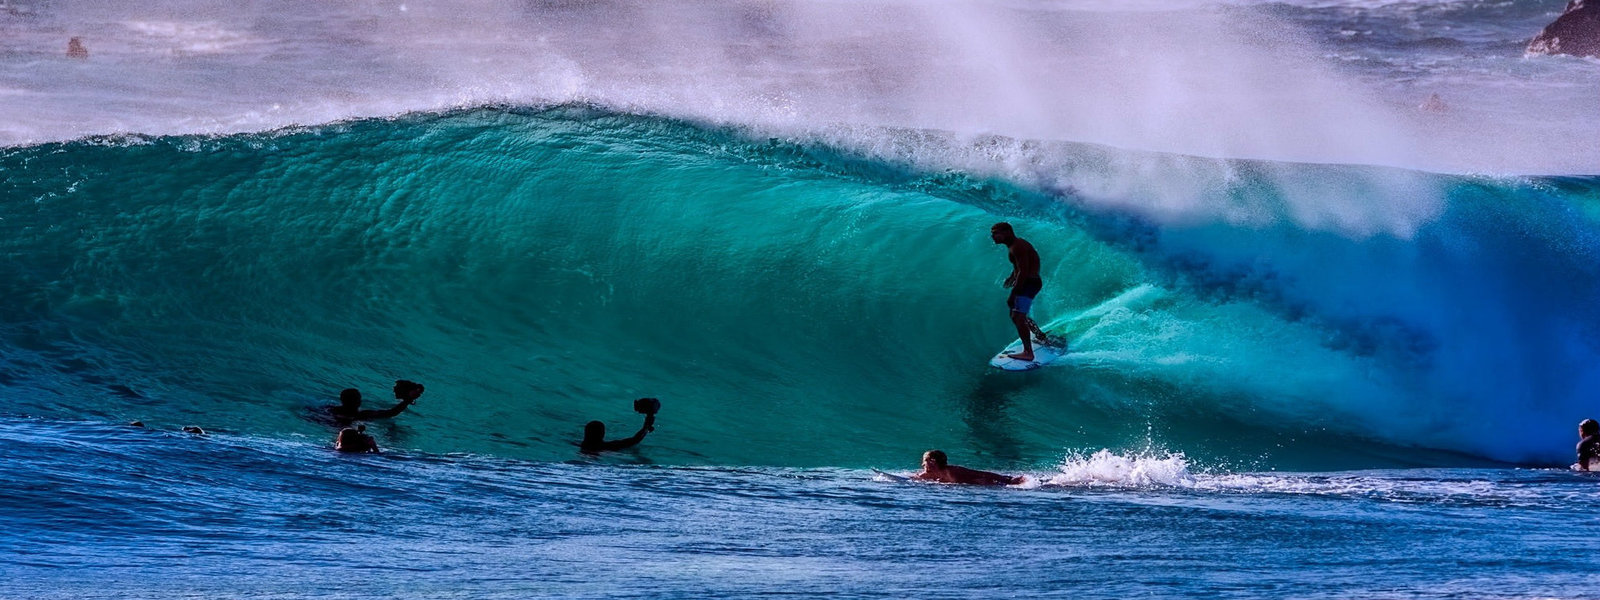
350,397
938,458
1002,226
1589,427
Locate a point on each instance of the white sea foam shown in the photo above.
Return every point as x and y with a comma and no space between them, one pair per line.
1105,468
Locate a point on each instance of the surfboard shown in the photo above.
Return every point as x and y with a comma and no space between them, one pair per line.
1042,355
891,476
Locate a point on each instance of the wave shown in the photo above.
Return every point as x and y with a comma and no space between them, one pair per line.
793,302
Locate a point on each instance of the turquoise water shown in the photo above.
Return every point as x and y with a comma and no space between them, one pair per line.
1286,379
1329,339
793,304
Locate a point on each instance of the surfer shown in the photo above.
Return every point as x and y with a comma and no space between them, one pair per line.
355,440
1025,283
936,467
1588,445
594,433
349,408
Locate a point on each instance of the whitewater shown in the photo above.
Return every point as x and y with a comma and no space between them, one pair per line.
1328,338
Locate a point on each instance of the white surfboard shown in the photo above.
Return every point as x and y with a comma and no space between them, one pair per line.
1042,355
892,476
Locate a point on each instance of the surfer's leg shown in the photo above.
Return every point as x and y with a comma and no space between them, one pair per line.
1041,337
1019,317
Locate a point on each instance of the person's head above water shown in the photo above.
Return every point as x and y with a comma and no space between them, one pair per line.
350,398
935,459
355,439
594,432
1002,233
1588,427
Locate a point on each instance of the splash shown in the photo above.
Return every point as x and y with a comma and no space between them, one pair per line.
1105,468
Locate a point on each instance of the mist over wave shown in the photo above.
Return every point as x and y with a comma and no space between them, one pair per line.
1302,81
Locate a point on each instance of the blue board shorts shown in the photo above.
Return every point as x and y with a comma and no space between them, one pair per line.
1021,299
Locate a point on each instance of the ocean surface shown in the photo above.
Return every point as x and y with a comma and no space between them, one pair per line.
1329,338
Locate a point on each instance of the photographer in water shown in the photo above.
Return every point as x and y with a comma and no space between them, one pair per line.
594,433
349,408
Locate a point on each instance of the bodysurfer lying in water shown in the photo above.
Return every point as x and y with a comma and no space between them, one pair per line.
936,467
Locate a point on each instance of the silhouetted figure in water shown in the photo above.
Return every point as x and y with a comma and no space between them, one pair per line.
936,467
1588,446
594,433
355,440
349,408
75,49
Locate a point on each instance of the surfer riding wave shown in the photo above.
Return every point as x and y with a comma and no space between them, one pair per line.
1025,284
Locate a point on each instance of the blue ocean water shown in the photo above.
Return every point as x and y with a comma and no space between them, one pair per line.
1324,343
112,512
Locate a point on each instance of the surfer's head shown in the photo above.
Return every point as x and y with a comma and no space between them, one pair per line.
594,431
1588,427
1002,233
350,398
934,459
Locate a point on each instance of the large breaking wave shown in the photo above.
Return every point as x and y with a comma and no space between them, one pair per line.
793,302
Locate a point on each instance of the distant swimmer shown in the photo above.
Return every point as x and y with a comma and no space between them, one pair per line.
355,440
349,408
1588,446
594,433
1025,283
1434,104
936,467
75,49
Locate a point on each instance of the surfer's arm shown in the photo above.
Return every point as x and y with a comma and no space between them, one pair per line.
385,414
649,426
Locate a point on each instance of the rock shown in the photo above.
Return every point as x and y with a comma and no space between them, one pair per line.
1575,32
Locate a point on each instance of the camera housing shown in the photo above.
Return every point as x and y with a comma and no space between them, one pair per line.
648,406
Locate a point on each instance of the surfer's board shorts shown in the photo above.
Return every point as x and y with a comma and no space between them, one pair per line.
1021,299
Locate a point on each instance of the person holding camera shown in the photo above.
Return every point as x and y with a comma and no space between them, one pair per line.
594,433
349,408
